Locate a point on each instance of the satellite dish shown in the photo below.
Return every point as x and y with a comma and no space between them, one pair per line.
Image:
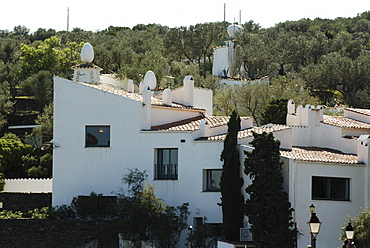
87,53
233,29
150,80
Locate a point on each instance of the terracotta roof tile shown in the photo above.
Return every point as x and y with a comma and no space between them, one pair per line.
324,155
360,111
193,123
345,122
249,132
137,97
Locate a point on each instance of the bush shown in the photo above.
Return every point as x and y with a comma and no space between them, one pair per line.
2,182
62,212
7,214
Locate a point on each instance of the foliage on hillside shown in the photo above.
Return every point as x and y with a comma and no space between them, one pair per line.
318,61
21,160
324,55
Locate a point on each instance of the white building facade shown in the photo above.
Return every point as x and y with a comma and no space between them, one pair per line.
102,131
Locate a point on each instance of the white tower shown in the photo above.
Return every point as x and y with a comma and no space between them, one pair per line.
224,56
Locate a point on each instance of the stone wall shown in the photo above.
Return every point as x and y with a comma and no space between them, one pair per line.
45,233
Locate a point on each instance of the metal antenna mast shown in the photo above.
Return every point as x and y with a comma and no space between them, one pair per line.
67,19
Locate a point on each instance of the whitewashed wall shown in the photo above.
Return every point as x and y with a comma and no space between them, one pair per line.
221,61
332,214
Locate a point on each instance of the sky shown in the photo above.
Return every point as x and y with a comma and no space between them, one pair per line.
97,15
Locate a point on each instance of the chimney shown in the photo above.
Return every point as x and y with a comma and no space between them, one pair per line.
167,97
203,128
363,149
188,96
141,87
87,72
291,107
147,107
130,86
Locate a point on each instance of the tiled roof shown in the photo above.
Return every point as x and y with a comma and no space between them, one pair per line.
249,132
344,122
315,154
137,97
360,111
193,123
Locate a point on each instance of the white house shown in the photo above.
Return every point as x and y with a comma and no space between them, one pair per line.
327,166
101,131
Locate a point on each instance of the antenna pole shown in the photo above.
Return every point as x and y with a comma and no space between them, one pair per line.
67,19
240,17
224,12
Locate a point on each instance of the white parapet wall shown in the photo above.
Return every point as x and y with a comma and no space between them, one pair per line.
28,185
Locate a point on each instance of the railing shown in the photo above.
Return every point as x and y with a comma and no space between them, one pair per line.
165,172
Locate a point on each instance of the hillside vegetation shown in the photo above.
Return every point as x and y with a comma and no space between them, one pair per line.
313,61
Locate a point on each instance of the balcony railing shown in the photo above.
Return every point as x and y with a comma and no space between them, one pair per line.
165,172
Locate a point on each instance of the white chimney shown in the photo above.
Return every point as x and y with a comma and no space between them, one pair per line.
130,86
147,107
188,96
87,72
363,149
291,107
167,97
203,128
141,87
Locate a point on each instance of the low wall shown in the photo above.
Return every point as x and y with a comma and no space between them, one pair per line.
28,185
45,233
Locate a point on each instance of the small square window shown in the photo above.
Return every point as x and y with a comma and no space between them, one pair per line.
213,180
330,188
97,136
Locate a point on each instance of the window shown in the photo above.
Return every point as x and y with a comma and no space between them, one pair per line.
97,136
197,221
213,179
166,166
330,188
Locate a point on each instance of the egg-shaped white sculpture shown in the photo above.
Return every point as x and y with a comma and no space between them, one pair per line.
233,29
150,80
87,53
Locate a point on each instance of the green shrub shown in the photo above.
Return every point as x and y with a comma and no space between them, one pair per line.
2,182
62,212
7,214
42,213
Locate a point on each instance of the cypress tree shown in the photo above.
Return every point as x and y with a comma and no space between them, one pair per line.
268,208
232,200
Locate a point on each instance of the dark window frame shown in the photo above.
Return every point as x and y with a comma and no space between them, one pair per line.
92,135
166,166
208,187
330,188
